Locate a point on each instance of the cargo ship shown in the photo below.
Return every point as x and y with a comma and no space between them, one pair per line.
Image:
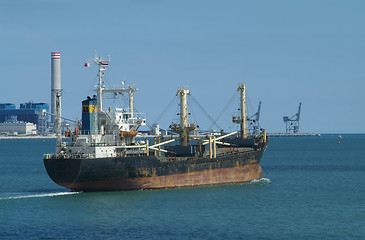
105,153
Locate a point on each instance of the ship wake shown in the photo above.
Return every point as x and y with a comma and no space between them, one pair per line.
38,195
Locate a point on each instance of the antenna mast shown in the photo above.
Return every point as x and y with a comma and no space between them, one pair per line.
103,64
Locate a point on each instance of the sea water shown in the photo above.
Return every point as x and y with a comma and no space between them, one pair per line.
313,188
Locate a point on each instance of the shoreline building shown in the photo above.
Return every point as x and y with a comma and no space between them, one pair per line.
29,112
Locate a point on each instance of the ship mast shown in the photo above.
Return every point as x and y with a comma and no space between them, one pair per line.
184,116
102,66
184,128
242,120
243,129
131,91
100,89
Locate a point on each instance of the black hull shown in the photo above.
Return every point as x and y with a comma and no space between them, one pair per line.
148,172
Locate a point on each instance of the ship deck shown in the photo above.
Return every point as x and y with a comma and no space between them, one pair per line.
221,152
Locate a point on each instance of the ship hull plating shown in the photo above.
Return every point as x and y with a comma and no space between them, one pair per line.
148,172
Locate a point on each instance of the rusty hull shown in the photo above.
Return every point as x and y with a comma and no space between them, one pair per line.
150,172
238,174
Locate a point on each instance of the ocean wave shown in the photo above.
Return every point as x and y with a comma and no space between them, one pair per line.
39,195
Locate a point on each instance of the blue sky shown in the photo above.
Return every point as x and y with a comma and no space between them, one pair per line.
285,52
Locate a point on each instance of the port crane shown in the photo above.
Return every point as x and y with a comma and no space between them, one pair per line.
292,123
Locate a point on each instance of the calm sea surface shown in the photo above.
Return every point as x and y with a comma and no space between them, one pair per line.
313,188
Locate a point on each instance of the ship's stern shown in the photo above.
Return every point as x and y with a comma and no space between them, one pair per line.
63,171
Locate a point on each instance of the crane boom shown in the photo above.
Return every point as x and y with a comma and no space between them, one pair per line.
298,113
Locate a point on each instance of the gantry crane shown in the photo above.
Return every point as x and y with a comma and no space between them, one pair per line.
292,123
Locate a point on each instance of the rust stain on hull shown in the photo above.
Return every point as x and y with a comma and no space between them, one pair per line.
236,174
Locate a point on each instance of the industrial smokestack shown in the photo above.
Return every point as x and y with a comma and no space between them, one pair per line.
55,88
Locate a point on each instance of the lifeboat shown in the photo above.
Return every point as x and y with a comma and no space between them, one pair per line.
128,133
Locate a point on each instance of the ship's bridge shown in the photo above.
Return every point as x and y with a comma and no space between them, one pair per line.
128,121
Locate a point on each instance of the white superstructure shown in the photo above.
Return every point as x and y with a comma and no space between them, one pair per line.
114,130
